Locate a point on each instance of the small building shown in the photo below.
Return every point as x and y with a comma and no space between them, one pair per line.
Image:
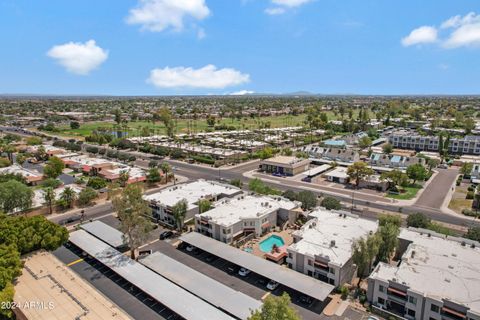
162,202
330,143
231,219
339,175
322,248
397,161
285,165
32,177
437,277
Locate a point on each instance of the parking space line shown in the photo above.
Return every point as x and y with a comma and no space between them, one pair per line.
74,262
265,295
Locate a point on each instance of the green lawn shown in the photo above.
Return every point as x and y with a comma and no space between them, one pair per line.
182,125
406,193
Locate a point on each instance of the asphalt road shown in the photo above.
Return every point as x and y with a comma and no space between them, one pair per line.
434,195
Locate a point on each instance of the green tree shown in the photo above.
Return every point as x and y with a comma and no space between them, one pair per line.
96,183
123,178
53,168
418,220
276,308
308,199
237,183
417,172
389,241
153,175
394,178
290,195
134,214
51,183
68,197
204,205
365,142
179,211
74,125
394,219
364,252
4,162
166,170
469,125
40,154
466,169
358,171
86,196
33,141
473,233
387,148
14,196
331,203
49,197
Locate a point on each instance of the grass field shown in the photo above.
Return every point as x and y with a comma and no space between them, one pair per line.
409,193
182,125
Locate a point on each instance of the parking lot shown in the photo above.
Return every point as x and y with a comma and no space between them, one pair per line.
131,299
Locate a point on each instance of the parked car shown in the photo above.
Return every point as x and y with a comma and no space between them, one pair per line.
305,300
190,248
243,272
166,234
443,166
211,258
272,285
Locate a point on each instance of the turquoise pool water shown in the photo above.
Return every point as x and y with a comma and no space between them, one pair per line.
249,250
267,244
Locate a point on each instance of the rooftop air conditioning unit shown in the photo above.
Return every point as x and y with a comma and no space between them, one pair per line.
332,243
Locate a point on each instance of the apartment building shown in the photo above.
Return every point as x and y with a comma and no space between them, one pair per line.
162,202
397,161
322,248
338,154
465,145
410,139
231,219
436,278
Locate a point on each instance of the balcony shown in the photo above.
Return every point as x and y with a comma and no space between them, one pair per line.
397,295
450,314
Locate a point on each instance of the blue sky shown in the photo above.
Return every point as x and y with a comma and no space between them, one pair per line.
156,47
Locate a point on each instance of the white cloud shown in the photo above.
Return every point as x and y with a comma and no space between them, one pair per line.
458,31
466,31
79,58
425,34
281,6
158,15
290,3
275,11
241,93
206,77
201,33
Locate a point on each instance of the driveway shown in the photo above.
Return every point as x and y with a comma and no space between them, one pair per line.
436,191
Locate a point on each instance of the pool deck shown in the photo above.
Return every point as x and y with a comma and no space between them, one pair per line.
255,243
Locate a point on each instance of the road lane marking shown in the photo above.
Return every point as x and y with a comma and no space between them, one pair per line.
74,262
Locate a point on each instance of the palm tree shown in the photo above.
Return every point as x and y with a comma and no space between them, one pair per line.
166,169
49,197
123,178
179,210
68,196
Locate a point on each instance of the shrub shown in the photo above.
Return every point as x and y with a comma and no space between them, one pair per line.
470,195
96,183
418,220
331,203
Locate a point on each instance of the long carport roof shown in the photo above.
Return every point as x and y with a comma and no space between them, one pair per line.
170,295
234,302
287,277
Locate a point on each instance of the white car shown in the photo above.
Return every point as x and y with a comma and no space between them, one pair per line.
243,272
190,248
272,285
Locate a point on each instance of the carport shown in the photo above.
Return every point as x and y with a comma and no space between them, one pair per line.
162,290
206,288
287,277
106,233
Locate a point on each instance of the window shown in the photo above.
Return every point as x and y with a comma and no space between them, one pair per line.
381,288
331,270
381,301
412,300
309,262
435,308
310,273
411,313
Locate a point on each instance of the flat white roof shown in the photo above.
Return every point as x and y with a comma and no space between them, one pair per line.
17,169
437,267
230,211
286,160
270,270
172,296
338,172
327,226
192,192
206,288
317,170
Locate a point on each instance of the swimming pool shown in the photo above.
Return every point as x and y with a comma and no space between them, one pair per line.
267,244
